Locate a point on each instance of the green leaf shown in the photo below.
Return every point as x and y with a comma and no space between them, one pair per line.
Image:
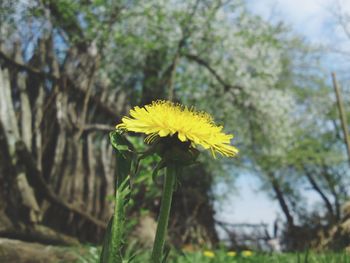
125,155
113,242
120,143
106,243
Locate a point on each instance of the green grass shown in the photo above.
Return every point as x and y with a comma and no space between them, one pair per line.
222,257
261,258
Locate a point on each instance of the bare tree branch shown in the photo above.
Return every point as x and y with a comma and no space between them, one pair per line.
213,72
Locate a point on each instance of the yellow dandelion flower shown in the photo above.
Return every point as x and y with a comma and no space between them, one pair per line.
164,118
247,253
231,254
209,254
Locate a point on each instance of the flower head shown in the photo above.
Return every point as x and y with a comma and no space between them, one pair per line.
209,254
164,118
231,253
247,253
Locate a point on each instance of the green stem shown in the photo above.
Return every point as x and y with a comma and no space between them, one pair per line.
168,188
117,225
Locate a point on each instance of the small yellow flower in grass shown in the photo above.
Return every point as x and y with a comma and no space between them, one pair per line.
247,253
209,254
164,118
231,254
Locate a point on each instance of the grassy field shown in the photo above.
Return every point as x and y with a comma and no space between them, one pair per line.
230,257
260,258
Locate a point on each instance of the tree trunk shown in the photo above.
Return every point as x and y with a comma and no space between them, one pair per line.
325,199
281,199
51,168
10,134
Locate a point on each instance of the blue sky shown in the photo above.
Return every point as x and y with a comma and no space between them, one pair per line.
312,18
315,20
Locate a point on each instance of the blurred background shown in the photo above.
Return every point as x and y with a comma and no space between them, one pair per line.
69,70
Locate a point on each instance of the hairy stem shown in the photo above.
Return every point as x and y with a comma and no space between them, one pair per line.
168,188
